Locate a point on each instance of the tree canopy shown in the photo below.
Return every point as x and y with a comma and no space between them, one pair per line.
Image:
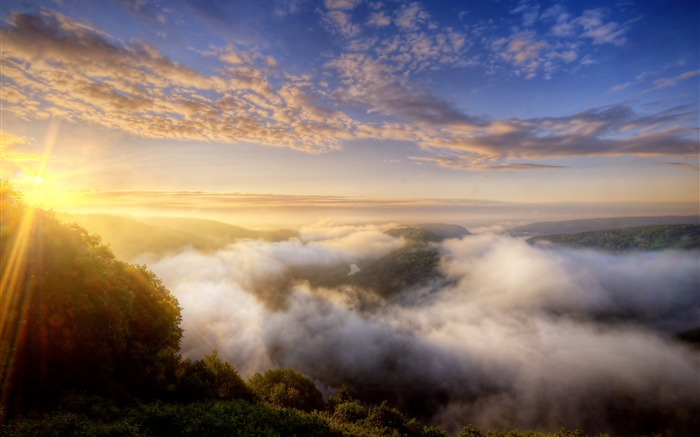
75,316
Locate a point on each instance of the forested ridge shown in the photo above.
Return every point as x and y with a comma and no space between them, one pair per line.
652,237
90,346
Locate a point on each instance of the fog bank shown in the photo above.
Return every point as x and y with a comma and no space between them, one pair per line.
511,335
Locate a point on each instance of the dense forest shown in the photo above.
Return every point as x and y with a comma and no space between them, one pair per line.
653,237
90,346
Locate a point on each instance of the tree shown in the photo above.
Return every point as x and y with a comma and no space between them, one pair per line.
287,388
210,378
75,317
470,430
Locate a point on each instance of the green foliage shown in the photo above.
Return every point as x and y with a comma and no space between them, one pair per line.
470,430
207,419
349,412
434,431
655,237
414,234
409,266
339,397
210,379
75,316
287,388
383,416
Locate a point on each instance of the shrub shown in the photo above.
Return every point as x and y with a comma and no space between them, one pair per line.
210,379
287,388
349,412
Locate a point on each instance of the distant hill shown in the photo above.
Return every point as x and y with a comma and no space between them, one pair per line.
598,224
656,237
429,232
413,265
129,237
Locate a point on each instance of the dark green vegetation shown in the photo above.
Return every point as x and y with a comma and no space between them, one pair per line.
413,265
95,417
129,237
598,224
428,232
656,237
75,317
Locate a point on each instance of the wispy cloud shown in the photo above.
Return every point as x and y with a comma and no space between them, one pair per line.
620,87
673,81
9,143
528,11
338,21
471,163
684,165
369,82
612,130
601,32
341,4
411,16
534,53
56,67
379,19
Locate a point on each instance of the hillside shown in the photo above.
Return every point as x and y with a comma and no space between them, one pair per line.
656,237
411,266
429,232
75,317
129,237
597,224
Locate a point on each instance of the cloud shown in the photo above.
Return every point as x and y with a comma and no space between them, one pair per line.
341,4
377,74
514,336
594,27
669,82
411,16
58,67
470,163
620,87
525,51
9,143
685,165
378,19
612,131
55,67
534,53
337,21
528,11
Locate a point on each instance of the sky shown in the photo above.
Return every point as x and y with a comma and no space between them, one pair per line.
269,113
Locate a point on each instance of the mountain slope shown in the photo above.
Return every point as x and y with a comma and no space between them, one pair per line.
130,237
598,224
657,237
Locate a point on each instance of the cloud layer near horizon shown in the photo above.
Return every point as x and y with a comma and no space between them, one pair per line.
512,336
56,67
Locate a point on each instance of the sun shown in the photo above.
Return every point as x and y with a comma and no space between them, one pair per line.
38,180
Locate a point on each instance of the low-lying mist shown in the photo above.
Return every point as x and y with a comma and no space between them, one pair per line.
509,335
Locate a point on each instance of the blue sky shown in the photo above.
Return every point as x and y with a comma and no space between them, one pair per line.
506,101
